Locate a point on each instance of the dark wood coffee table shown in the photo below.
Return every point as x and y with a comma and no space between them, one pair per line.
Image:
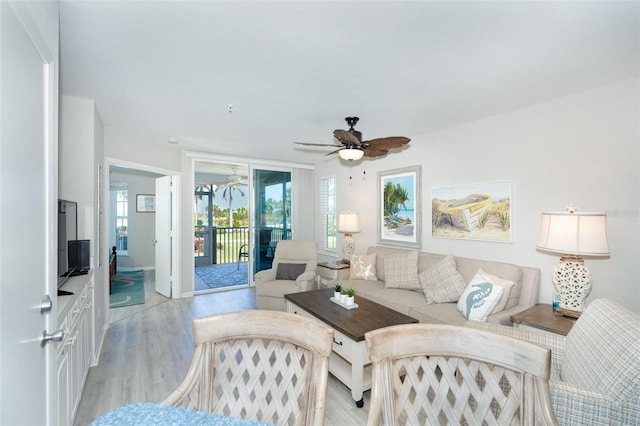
349,361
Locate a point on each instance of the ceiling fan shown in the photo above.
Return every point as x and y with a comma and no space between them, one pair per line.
352,147
233,181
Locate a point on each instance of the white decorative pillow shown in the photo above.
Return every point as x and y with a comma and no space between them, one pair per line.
401,271
363,267
506,284
442,283
480,298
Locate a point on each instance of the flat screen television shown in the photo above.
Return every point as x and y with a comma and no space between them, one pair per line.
78,254
67,231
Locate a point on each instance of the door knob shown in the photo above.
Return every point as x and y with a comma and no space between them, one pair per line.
45,305
56,336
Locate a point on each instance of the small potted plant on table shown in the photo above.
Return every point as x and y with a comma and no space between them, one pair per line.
350,296
336,291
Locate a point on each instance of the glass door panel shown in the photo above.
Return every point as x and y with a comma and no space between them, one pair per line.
272,214
202,247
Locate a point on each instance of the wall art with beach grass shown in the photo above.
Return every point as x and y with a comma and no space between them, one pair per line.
479,211
399,207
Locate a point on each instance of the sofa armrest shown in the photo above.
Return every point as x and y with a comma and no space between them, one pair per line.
504,317
574,405
265,276
307,280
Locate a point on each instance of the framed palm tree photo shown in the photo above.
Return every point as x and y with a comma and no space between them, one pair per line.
399,207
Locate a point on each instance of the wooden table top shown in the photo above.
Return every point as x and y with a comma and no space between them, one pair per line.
354,323
542,316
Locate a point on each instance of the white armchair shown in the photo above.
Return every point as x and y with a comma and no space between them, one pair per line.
595,369
293,270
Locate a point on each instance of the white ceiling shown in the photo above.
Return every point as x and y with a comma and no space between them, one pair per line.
294,70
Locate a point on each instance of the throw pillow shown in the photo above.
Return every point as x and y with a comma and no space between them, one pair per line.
290,271
363,267
442,283
506,284
480,298
401,271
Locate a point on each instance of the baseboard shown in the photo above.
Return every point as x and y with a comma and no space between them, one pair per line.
133,268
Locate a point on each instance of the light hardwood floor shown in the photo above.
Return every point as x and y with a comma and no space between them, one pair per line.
148,348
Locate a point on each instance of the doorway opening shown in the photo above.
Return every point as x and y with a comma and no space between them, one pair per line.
220,226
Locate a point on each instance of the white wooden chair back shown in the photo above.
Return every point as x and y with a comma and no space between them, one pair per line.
427,374
265,366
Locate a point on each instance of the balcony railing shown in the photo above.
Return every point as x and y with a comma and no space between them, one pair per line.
228,242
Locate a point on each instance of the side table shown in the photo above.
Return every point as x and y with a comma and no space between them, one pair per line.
542,318
328,271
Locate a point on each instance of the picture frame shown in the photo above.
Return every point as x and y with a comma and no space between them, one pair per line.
145,203
477,211
400,207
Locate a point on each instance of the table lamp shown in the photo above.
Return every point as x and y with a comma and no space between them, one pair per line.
348,223
573,234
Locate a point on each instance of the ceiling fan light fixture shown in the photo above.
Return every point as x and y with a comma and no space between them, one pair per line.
351,154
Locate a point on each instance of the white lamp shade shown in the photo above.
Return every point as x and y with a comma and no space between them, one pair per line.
576,233
348,222
351,154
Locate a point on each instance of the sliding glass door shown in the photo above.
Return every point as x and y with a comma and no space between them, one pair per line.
272,214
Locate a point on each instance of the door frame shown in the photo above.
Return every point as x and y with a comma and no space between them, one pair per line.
176,285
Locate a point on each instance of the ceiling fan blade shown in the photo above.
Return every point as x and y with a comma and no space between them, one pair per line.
316,144
334,152
375,152
388,142
345,137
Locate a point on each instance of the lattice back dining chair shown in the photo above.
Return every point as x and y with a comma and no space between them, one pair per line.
441,374
266,366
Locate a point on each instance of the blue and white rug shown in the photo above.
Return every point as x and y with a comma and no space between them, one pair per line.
127,289
225,275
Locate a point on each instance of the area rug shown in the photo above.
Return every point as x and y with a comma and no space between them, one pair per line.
127,289
225,275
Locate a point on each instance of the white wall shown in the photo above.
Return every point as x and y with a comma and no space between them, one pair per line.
80,154
581,149
152,151
141,229
76,162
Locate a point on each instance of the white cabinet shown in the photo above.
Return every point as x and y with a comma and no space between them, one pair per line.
74,353
62,388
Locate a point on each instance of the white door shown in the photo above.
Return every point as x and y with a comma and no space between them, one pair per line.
164,236
28,151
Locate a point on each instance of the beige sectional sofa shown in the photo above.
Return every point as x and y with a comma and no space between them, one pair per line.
523,294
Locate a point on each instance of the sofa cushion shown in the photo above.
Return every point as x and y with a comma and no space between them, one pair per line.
480,298
438,313
363,267
442,282
290,271
601,351
401,271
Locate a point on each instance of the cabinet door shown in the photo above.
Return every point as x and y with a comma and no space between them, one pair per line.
72,349
62,389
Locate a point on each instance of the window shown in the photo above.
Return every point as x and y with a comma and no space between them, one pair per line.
122,220
328,212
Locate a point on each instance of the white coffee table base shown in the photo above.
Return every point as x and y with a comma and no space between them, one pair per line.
349,361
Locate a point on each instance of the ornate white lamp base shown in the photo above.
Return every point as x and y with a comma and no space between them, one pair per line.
348,246
573,281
